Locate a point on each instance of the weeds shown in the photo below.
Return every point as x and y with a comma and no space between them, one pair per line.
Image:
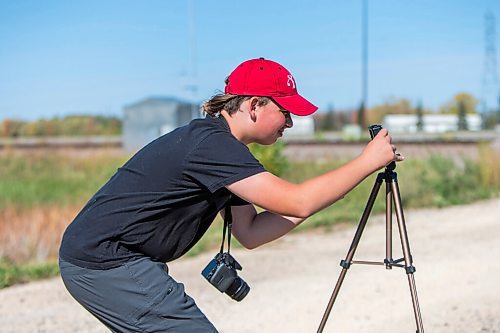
33,234
11,274
52,179
39,196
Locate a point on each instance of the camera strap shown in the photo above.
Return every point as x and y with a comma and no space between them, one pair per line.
228,223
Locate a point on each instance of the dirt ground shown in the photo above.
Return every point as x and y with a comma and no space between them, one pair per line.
456,253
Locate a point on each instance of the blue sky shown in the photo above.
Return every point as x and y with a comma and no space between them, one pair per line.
72,57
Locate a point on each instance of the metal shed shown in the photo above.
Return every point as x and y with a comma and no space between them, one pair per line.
152,117
433,123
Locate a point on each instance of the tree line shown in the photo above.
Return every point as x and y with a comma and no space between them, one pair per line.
74,125
329,120
461,105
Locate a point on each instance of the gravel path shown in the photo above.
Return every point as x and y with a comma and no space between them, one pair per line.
456,252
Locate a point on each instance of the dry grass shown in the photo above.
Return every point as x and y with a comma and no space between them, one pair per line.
489,165
31,230
28,235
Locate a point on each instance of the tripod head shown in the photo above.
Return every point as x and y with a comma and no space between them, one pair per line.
374,129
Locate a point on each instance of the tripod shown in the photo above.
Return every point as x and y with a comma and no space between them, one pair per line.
392,194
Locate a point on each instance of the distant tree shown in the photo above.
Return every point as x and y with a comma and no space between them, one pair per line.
462,116
49,127
90,126
334,120
114,126
420,117
66,126
469,103
6,127
400,106
343,118
11,128
326,122
34,128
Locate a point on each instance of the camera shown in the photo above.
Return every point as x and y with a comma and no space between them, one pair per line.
221,273
374,129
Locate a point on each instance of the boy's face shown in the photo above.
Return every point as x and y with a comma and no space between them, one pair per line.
272,121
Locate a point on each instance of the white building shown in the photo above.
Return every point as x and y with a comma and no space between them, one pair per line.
302,126
432,123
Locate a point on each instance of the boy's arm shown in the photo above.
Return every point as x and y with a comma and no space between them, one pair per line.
302,200
253,229
288,204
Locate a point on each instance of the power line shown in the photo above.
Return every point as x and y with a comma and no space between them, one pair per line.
490,94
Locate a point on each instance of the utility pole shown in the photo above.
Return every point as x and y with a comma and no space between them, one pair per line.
193,75
364,70
490,90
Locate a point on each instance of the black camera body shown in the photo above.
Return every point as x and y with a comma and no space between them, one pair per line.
221,273
374,129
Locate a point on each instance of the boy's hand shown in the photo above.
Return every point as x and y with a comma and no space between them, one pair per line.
380,151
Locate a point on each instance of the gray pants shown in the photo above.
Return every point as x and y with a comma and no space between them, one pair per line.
138,296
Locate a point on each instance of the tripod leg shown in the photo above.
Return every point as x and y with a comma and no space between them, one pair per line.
350,254
388,226
406,253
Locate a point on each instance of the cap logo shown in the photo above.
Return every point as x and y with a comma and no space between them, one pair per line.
290,81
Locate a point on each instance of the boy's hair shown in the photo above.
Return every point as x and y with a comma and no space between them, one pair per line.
228,102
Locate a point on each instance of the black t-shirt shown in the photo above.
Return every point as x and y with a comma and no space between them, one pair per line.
162,201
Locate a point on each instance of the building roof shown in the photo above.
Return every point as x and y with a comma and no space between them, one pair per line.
155,100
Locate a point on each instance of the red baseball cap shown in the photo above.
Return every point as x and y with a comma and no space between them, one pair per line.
261,77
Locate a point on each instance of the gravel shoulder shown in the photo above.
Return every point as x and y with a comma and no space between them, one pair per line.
455,251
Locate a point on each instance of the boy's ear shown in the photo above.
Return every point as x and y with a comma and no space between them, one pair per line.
253,103
253,108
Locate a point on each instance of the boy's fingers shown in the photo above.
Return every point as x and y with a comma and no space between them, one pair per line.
383,132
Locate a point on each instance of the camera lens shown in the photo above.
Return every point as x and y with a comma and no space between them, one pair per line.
238,289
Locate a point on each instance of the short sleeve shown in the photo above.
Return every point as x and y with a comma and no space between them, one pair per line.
237,201
220,160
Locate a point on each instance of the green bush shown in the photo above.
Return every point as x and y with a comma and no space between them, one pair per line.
11,274
433,182
271,157
440,181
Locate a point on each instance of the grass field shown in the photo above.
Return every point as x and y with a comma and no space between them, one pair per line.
40,195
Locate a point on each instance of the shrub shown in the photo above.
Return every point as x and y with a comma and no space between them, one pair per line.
271,157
